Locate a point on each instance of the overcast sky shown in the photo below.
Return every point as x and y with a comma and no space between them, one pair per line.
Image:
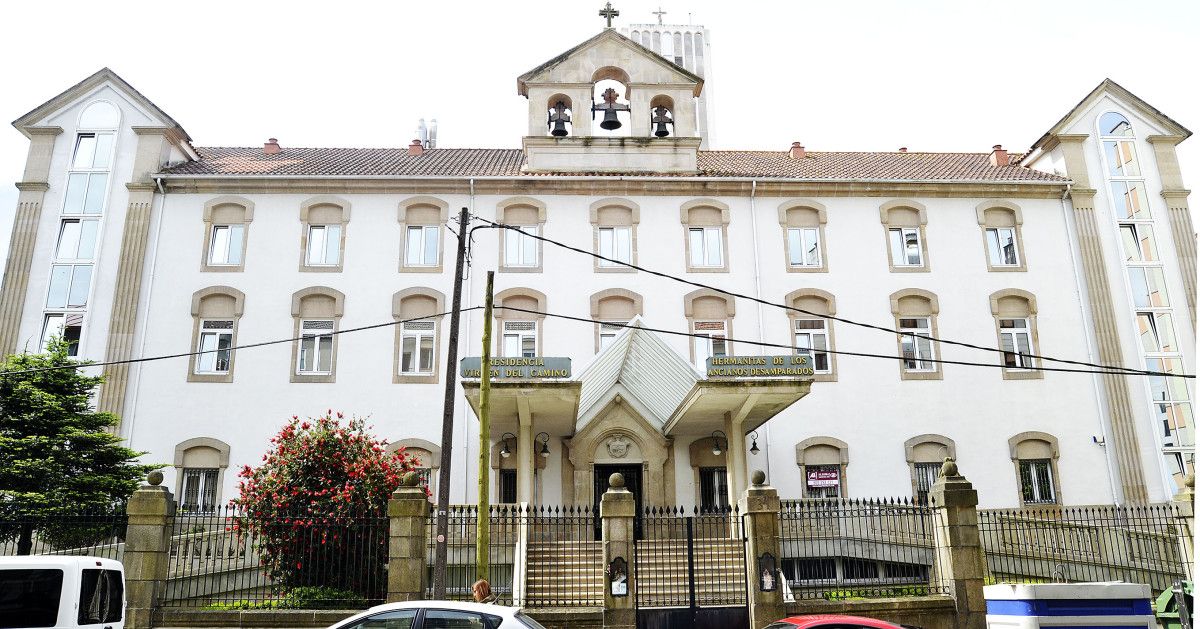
937,76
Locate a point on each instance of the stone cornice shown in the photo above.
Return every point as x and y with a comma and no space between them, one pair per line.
43,130
32,186
138,186
1176,193
151,130
1165,139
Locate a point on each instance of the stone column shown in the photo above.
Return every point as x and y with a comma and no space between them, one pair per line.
958,552
617,511
408,515
147,543
760,504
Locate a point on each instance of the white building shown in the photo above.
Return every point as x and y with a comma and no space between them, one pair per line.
136,243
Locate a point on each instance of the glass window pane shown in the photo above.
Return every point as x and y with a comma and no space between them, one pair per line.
512,345
812,247
719,345
795,247
325,354
220,245
81,282
333,244
431,244
528,346
206,362
1130,200
529,247
712,242
512,248
85,151
1113,123
87,239
912,247
408,347
316,244
76,191
60,284
414,240
224,342
236,234
68,240
606,244
624,243
897,242
103,150
426,353
307,347
97,190
696,246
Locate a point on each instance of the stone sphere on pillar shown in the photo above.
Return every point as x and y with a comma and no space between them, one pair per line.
155,478
616,481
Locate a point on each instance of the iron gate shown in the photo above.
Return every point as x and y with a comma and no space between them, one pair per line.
690,570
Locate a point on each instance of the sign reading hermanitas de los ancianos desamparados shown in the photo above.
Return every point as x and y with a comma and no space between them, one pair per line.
527,368
758,367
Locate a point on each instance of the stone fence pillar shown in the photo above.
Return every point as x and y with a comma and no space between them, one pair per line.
958,552
760,504
1185,509
147,544
617,512
408,515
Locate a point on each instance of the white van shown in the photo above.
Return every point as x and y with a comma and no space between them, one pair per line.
53,591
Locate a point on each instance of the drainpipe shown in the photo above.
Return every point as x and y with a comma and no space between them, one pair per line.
1089,336
759,306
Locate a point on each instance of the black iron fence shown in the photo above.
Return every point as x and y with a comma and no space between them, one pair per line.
836,548
1142,544
504,530
690,558
224,558
564,563
95,533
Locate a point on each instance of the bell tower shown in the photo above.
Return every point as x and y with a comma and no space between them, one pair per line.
611,105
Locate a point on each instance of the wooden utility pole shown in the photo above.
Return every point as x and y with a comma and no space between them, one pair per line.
482,537
443,503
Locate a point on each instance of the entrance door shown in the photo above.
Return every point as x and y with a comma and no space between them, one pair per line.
633,482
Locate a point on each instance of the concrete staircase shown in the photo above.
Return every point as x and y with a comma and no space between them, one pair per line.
662,572
564,574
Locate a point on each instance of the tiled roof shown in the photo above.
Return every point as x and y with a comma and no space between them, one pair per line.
817,165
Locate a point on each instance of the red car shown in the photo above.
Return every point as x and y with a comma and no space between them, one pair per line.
833,621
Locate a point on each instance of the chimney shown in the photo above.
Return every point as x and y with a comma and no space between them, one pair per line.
999,156
797,151
271,147
416,148
904,149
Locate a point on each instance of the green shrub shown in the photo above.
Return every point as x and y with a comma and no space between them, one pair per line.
302,598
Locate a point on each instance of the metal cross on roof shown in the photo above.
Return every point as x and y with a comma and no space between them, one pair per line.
608,13
659,13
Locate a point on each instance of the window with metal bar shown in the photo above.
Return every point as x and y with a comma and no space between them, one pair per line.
926,475
199,489
520,339
714,488
1037,482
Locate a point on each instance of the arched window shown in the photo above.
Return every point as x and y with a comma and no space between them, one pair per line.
610,101
706,227
1016,324
662,116
614,228
200,465
519,252
558,115
822,462
612,309
418,342
1035,457
226,225
100,115
915,313
812,333
520,331
904,226
710,317
316,313
323,239
1001,224
925,454
421,219
215,314
803,223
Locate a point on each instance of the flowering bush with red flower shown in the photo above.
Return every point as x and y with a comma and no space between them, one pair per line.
316,508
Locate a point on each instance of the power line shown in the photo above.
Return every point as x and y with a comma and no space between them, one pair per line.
1108,369
130,361
829,351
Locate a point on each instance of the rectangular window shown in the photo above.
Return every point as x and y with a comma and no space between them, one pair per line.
101,597
1037,484
31,596
76,239
926,475
1017,344
710,342
416,348
68,325
616,243
1121,158
521,250
1178,425
914,347
1148,287
1163,388
1130,200
520,339
906,246
804,246
199,489
704,246
86,193
421,245
714,488
609,331
216,339
822,481
812,340
508,486
1002,246
69,285
1157,332
324,245
316,348
226,248
93,151
1137,239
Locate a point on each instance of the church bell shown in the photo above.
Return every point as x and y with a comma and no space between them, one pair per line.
610,107
660,119
558,119
610,121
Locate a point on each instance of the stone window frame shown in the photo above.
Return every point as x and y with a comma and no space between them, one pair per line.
501,315
689,313
212,218
989,214
1034,343
890,222
911,457
612,293
504,209
595,212
830,301
685,218
897,314
843,461
298,315
791,215
435,458
419,211
1014,446
398,315
198,315
181,450
306,210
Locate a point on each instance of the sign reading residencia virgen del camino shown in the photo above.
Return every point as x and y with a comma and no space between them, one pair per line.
758,367
525,368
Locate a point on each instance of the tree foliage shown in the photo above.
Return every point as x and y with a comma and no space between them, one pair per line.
316,507
59,458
